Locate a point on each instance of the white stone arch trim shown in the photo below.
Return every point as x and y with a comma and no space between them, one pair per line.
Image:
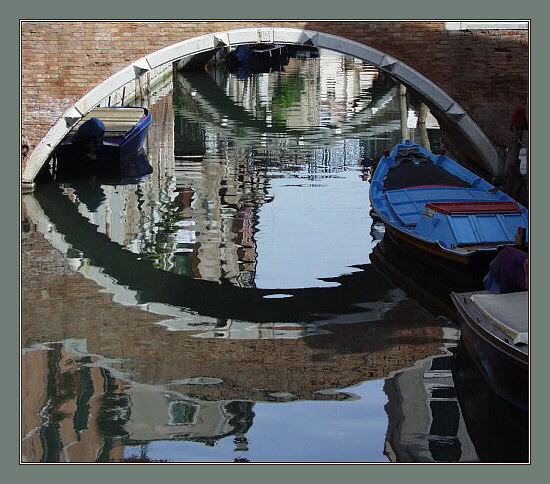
452,110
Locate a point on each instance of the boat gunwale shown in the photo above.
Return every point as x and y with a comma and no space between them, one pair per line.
137,125
113,151
492,335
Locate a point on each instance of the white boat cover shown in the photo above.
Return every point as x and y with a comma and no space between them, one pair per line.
507,312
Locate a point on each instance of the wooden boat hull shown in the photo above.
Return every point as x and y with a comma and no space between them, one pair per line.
475,257
504,366
432,203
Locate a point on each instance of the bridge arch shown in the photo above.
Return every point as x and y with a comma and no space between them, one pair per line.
450,111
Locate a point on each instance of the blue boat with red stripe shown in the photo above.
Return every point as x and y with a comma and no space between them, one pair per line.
434,204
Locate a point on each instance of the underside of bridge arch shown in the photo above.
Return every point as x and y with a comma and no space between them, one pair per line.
449,112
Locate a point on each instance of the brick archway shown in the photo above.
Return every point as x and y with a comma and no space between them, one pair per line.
452,112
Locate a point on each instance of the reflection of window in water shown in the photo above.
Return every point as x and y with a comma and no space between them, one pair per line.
443,443
183,413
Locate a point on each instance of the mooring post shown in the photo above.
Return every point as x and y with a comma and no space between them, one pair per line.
423,112
404,112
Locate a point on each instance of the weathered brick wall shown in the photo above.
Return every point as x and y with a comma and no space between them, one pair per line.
484,71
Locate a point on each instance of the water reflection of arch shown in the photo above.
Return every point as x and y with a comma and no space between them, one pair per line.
321,367
209,104
223,301
364,297
398,332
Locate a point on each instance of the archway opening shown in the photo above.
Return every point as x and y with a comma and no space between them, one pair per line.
476,146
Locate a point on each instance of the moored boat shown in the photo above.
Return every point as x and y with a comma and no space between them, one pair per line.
260,52
436,205
303,51
495,331
258,58
105,136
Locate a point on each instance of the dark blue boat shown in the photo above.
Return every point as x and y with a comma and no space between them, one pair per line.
498,430
257,58
106,135
436,205
495,331
265,53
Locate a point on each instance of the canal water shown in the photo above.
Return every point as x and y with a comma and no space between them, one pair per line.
240,303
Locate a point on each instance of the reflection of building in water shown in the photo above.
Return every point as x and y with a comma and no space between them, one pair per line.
84,406
71,412
321,91
75,411
344,87
425,423
174,416
220,198
126,355
319,102
80,406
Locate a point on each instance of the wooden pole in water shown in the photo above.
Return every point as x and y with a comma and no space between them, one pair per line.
404,112
423,112
511,170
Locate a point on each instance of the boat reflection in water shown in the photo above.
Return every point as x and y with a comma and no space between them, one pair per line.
428,280
499,431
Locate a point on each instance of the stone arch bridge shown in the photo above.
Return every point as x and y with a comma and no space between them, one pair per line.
473,76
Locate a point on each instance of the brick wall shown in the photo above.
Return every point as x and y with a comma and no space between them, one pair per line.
486,72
